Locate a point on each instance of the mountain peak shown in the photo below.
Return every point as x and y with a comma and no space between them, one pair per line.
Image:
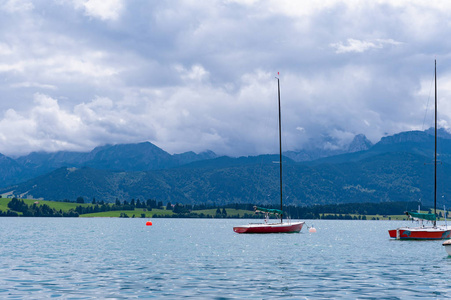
360,143
441,133
407,136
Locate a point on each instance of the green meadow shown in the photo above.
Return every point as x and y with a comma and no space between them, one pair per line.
135,213
163,212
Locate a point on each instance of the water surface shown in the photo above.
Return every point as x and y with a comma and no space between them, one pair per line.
80,258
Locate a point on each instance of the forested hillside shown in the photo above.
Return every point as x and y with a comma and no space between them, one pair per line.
396,169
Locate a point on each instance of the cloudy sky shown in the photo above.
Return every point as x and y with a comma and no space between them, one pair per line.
197,75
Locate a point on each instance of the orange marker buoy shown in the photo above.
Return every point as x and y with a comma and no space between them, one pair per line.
312,230
148,223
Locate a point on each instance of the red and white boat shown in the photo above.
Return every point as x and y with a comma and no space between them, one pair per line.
434,232
270,228
422,232
287,227
266,227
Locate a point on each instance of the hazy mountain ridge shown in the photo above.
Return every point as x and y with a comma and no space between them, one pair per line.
127,157
132,157
359,143
385,177
395,169
9,168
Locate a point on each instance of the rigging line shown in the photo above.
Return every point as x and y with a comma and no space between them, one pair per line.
427,106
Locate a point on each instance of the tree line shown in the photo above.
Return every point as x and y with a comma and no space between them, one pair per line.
34,210
101,206
17,206
329,211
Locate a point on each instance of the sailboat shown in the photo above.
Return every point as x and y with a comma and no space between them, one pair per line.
422,232
266,227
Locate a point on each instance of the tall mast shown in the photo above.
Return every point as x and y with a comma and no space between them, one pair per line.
280,151
435,151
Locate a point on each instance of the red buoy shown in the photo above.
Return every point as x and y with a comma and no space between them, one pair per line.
148,223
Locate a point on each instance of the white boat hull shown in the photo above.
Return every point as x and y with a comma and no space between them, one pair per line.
447,245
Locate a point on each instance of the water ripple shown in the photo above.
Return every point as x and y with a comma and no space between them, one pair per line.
204,259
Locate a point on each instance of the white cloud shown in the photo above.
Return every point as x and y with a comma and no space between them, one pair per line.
33,85
196,73
359,46
13,6
89,66
188,75
19,67
102,9
49,127
5,49
44,127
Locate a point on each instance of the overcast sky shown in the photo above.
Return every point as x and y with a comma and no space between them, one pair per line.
197,75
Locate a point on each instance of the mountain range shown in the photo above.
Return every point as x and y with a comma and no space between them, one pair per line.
397,168
123,157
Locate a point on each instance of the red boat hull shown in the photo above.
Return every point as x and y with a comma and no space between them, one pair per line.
421,233
270,228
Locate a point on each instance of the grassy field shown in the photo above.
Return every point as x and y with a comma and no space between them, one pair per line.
137,213
64,206
4,204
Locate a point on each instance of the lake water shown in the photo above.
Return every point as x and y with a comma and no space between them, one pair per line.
79,258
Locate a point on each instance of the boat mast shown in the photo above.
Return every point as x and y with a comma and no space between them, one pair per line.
280,151
435,151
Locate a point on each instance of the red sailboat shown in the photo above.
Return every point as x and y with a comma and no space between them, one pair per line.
266,227
422,232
